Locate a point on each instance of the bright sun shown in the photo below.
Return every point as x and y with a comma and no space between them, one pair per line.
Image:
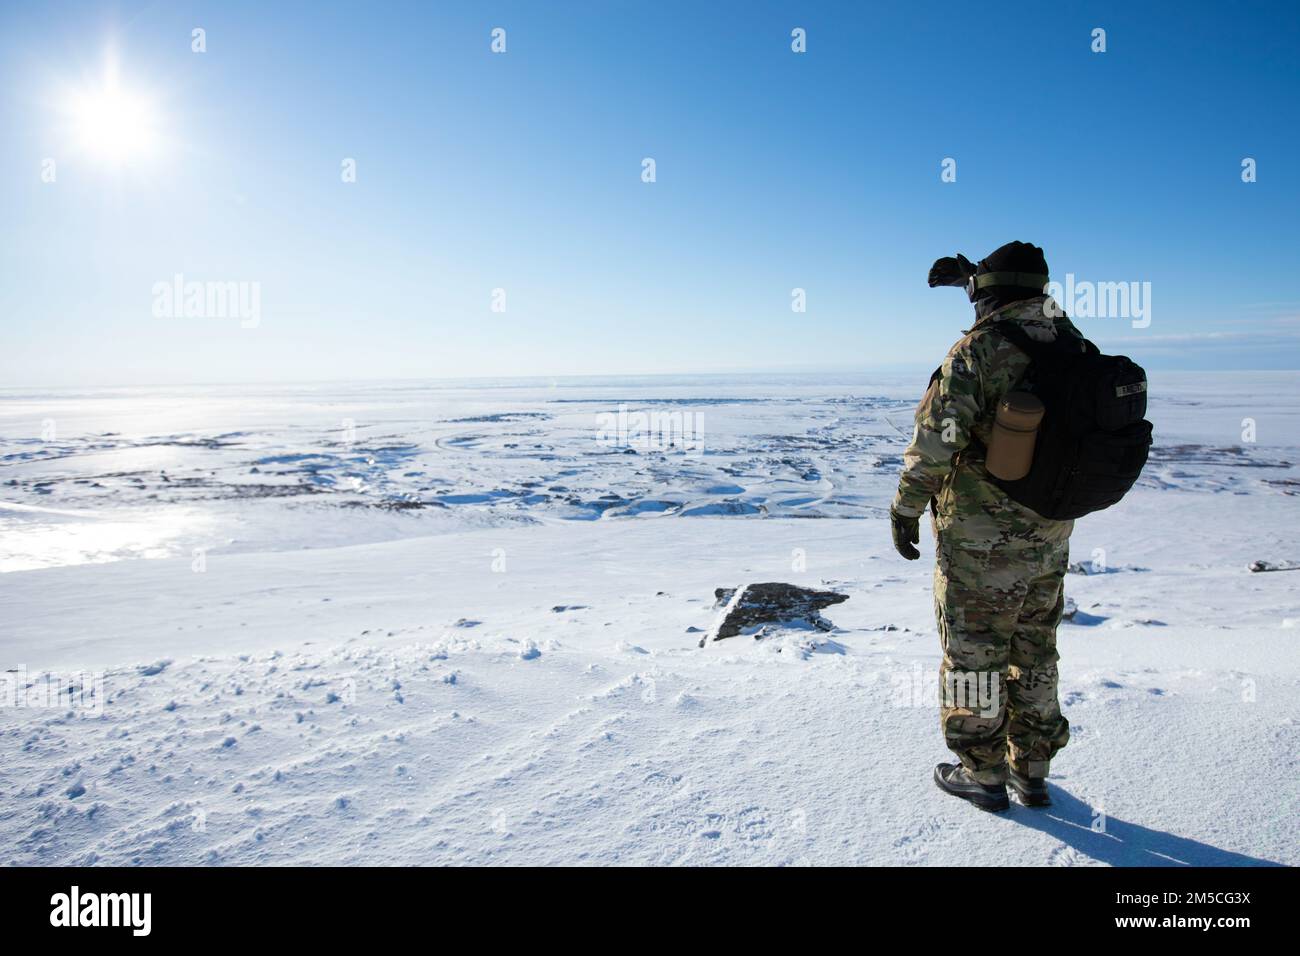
112,122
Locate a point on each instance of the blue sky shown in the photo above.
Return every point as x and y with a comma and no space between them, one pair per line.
522,171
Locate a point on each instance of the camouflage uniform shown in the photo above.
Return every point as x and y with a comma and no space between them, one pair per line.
1000,568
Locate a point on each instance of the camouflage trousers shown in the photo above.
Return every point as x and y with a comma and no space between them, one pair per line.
997,613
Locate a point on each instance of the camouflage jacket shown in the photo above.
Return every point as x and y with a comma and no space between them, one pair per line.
942,462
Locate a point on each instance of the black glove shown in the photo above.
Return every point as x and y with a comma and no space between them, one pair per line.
907,533
950,271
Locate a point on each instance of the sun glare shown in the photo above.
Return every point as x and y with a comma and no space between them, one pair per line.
113,122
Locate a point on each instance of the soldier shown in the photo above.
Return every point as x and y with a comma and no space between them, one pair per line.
1000,567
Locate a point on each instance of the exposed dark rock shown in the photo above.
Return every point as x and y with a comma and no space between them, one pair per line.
770,603
1275,566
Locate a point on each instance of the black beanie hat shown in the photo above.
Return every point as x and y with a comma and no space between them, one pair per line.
1014,257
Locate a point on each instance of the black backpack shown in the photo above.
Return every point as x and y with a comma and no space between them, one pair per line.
1093,439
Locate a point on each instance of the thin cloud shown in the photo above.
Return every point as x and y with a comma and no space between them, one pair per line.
1283,333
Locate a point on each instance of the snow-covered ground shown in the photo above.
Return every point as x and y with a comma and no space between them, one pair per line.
458,624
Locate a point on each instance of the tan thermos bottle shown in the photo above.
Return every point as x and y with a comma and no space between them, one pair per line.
1015,429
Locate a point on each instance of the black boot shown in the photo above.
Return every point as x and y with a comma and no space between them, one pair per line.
1032,791
955,779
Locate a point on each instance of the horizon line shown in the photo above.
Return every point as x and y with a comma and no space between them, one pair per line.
900,369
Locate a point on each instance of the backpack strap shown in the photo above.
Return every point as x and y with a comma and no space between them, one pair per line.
1063,348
